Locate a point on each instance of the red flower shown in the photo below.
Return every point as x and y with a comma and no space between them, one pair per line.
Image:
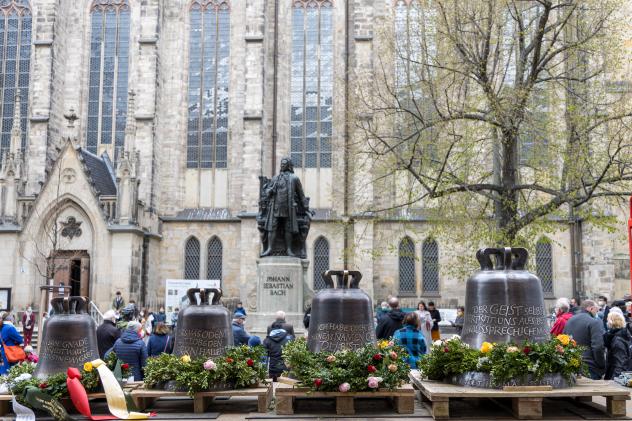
446,349
125,366
250,362
43,385
526,350
377,357
229,360
318,382
371,369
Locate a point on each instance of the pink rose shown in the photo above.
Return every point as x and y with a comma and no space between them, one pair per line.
331,358
344,387
392,368
209,365
391,343
394,355
373,382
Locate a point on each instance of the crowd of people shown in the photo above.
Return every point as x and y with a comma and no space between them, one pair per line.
604,330
136,335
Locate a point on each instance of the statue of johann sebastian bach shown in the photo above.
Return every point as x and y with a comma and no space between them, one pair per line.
284,215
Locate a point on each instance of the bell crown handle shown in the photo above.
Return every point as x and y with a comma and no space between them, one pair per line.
343,278
58,305
204,295
193,300
217,295
506,258
78,304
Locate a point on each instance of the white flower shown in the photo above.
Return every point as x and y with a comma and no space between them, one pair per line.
438,342
455,338
22,377
481,361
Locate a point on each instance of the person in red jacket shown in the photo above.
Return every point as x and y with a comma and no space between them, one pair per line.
28,325
562,314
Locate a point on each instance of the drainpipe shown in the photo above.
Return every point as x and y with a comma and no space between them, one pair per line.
348,231
575,225
275,84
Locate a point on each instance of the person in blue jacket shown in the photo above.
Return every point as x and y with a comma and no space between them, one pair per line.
240,336
160,341
131,349
10,337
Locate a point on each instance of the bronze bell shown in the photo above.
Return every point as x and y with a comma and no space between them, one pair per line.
342,317
203,330
69,338
504,302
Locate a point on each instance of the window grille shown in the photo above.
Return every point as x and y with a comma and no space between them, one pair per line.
15,59
321,262
209,77
214,259
192,259
407,266
430,265
109,69
544,264
311,83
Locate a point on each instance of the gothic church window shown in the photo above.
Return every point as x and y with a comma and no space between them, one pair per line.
192,259
407,267
15,59
209,71
321,262
430,266
311,83
214,257
544,264
109,69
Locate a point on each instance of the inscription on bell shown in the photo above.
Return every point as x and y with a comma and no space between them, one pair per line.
211,339
70,352
333,337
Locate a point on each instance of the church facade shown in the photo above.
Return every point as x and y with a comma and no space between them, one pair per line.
134,134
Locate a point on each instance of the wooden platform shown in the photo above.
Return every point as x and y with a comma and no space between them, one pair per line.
403,399
5,404
145,397
526,402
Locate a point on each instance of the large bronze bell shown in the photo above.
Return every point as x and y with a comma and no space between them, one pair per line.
504,302
69,339
342,318
203,330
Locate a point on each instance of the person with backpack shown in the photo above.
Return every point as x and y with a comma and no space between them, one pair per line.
617,341
274,343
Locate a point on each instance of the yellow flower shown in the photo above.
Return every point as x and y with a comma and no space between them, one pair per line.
382,344
87,367
486,347
185,359
564,339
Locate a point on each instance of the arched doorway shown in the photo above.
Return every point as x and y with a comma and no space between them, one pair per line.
70,271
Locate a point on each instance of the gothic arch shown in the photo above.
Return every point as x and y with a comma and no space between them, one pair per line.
430,265
191,266
406,260
214,258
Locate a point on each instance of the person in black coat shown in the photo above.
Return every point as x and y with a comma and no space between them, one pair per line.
274,343
392,322
617,343
280,323
107,333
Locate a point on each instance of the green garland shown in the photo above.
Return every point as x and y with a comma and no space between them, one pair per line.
504,362
20,376
371,367
239,367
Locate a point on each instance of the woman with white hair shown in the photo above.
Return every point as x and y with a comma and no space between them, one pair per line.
562,314
617,343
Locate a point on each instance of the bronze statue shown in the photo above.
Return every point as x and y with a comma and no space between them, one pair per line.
284,215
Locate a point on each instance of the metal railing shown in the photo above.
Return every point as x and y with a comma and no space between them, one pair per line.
95,313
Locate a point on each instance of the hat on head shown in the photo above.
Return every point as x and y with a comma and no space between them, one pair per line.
239,315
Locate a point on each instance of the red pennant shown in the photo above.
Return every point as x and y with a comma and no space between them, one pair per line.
79,396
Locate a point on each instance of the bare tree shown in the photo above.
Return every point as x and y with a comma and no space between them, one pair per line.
506,112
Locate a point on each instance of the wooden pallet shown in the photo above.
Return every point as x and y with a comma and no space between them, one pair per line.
5,404
403,398
145,397
526,402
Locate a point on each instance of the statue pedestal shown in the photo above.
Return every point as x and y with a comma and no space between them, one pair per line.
281,285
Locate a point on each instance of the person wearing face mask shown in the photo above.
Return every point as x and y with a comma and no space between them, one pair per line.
602,303
562,315
161,317
587,330
28,325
